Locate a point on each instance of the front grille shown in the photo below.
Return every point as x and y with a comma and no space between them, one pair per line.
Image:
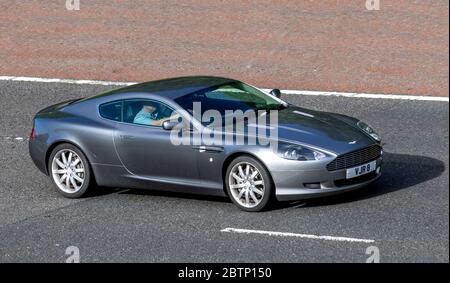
355,158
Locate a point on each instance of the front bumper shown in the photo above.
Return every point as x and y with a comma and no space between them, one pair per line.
305,184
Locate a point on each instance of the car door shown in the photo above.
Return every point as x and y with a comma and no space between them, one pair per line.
147,151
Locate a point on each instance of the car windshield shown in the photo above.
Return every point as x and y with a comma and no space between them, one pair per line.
231,96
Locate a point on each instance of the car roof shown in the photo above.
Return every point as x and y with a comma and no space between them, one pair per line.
170,88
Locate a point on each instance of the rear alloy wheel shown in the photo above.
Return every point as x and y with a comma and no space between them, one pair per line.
69,170
248,184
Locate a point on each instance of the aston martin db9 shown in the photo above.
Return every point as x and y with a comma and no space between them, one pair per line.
152,136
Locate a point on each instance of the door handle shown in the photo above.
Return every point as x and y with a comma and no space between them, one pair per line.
204,148
126,137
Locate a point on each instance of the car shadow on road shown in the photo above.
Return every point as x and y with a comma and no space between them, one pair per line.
154,191
163,193
102,191
400,171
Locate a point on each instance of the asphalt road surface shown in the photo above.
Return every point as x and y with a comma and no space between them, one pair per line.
406,212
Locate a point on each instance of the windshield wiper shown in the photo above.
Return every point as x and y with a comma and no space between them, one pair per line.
271,107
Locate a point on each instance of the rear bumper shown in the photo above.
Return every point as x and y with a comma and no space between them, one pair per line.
318,183
38,150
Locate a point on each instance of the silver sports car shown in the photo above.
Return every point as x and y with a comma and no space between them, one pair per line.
204,135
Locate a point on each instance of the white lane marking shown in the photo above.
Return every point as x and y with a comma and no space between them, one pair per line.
67,81
287,91
366,95
13,138
306,236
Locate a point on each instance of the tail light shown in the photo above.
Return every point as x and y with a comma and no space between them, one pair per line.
32,134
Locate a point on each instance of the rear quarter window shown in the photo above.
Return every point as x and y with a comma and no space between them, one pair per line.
111,110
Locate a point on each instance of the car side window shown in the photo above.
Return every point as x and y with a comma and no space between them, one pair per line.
111,110
146,112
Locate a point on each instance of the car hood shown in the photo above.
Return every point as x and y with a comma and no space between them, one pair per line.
329,131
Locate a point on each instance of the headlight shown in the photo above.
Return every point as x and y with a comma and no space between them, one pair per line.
369,130
297,152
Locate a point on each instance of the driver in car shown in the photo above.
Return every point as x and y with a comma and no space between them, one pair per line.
149,116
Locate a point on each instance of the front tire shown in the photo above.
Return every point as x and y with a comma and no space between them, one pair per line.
248,184
69,170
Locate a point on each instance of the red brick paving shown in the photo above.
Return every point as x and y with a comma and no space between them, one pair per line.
332,45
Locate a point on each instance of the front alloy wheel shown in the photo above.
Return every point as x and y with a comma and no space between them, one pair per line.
248,184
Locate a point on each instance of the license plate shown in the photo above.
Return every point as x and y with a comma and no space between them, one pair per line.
361,169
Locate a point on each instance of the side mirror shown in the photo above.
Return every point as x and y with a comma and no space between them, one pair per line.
169,124
276,92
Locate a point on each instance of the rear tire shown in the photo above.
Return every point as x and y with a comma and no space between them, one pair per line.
69,171
249,184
